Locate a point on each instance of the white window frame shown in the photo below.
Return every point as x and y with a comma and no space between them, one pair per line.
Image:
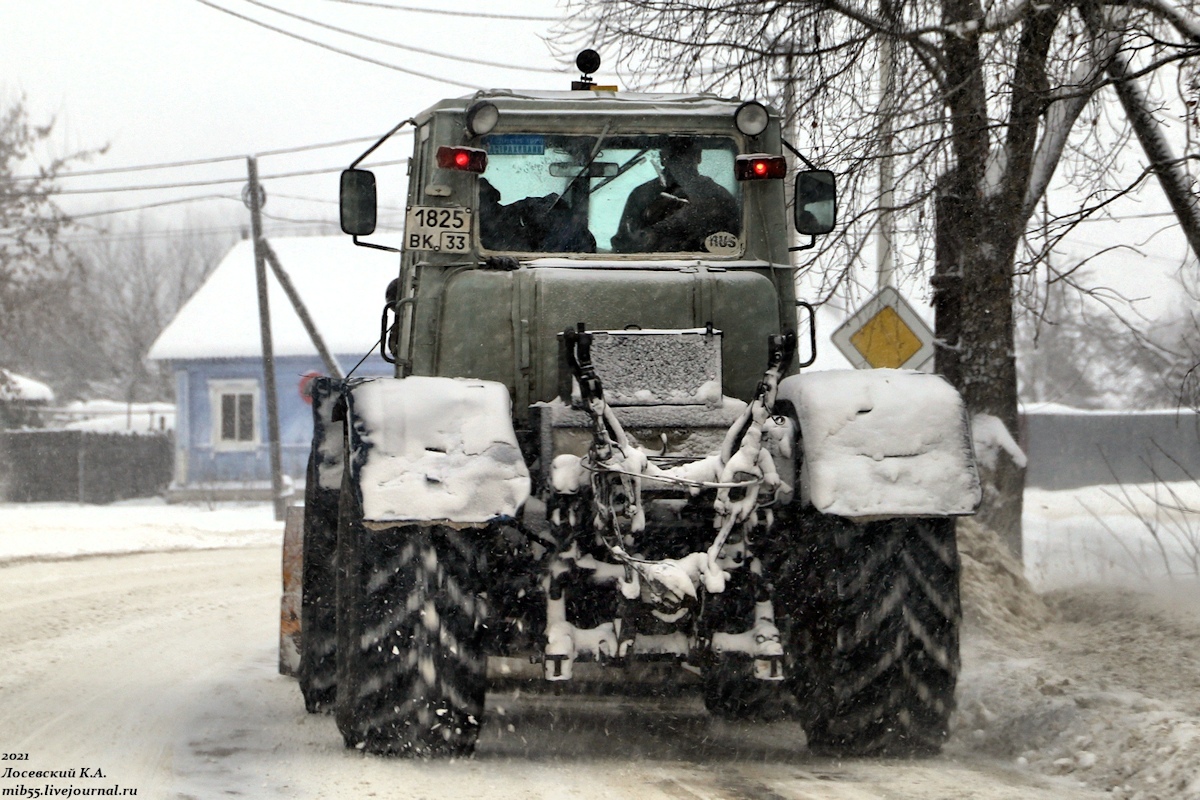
218,389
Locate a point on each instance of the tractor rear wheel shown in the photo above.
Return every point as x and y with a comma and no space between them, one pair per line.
411,664
874,625
318,621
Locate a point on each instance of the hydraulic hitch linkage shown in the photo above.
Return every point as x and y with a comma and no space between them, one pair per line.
746,484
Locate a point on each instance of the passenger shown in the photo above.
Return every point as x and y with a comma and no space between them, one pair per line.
531,225
677,211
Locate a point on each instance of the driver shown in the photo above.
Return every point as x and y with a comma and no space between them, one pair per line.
677,211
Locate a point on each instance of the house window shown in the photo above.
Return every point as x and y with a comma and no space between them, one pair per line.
235,414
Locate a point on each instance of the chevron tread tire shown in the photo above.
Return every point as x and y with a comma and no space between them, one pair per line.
318,609
875,627
411,663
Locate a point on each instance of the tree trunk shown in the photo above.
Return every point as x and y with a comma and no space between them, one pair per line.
977,233
974,326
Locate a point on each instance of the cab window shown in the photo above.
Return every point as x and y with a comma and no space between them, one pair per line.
546,193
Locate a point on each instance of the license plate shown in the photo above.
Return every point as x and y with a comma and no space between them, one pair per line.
445,230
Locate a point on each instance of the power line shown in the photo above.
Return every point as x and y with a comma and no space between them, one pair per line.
200,161
480,14
214,182
330,201
124,236
397,45
331,48
330,222
1116,218
303,198
148,206
202,197
205,231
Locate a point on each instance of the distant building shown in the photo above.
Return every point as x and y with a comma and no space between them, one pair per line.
214,348
21,400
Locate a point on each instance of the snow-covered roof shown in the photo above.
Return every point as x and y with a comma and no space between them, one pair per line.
18,387
341,285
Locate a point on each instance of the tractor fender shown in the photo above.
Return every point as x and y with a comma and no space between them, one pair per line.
883,443
426,449
328,434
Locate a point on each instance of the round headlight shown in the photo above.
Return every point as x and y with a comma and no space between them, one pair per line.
751,118
481,118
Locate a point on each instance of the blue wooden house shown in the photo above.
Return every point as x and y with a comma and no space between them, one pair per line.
214,348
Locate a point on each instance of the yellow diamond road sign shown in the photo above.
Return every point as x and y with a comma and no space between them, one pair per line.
885,333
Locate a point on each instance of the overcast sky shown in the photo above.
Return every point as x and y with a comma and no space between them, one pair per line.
170,80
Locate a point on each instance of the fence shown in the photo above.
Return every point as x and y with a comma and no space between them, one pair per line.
83,466
1067,451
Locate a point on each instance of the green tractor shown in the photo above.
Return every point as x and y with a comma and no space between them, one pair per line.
598,447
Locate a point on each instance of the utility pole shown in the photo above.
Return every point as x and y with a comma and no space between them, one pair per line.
254,200
330,361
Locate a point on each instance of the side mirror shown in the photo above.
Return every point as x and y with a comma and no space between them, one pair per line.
815,202
358,202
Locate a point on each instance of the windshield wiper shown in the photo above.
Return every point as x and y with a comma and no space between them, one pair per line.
587,168
638,158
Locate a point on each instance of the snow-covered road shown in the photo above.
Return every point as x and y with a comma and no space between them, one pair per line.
159,669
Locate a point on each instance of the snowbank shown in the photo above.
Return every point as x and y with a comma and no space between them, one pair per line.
66,530
1098,685
1106,693
996,596
1111,535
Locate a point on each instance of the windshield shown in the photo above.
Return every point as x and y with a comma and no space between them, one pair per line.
550,193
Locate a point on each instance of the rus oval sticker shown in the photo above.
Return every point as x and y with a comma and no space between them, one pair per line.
722,243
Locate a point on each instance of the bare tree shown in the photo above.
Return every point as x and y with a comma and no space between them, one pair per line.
984,101
1177,348
35,265
1073,350
134,278
90,334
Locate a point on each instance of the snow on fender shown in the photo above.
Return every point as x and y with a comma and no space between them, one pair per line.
436,449
883,443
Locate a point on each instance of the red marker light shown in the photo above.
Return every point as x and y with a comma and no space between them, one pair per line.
462,159
760,166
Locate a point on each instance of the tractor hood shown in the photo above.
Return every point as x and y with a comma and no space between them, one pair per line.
514,318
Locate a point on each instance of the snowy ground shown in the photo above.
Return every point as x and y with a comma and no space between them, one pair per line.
159,668
46,531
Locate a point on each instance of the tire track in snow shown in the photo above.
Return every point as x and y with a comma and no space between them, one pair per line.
105,651
167,679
